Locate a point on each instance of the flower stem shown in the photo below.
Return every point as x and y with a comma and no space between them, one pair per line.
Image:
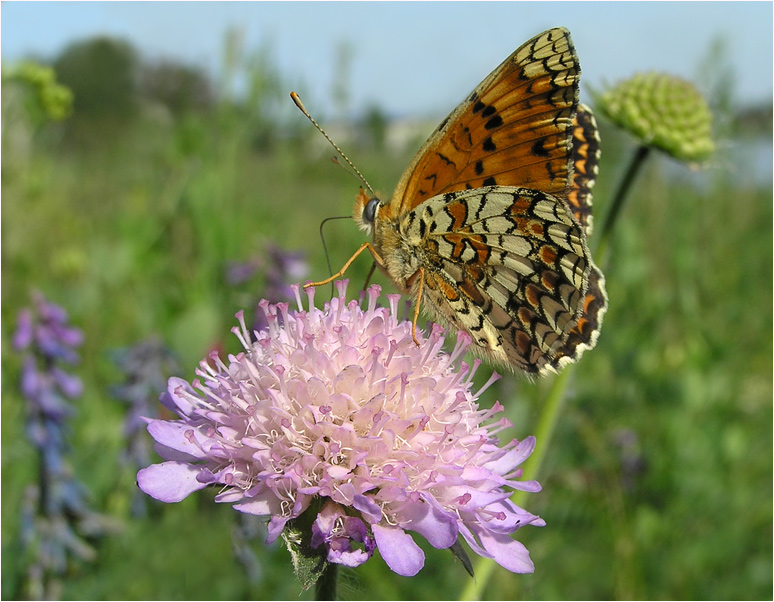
326,584
545,430
638,160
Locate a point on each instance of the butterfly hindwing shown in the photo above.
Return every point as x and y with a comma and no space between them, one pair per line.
584,334
508,265
514,129
585,163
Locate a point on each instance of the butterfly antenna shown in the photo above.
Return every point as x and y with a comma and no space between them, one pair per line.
302,108
344,166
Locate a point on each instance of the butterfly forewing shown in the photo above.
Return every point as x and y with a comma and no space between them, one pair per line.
513,130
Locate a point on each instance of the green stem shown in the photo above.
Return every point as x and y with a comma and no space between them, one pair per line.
543,434
545,429
638,160
325,588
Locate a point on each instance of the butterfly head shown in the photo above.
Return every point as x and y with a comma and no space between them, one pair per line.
366,208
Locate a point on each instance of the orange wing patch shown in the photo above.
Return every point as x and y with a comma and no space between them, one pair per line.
513,130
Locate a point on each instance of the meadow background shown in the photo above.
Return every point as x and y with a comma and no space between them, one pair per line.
130,210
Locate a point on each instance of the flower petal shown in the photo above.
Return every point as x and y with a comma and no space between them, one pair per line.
169,481
176,440
275,527
507,552
367,507
513,457
435,525
399,550
263,504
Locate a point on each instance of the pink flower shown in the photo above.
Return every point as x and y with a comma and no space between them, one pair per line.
340,406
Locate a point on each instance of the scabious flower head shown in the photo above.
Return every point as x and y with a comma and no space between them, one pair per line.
665,112
338,412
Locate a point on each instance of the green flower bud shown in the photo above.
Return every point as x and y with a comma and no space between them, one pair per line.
57,101
664,112
54,99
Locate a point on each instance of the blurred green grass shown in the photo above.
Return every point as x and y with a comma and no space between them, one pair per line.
658,483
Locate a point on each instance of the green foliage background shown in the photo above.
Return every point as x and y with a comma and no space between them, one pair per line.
658,483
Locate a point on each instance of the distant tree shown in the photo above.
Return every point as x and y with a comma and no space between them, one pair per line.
265,95
102,73
375,127
755,120
180,88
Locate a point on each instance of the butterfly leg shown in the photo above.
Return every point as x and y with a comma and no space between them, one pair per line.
370,273
420,273
340,273
416,307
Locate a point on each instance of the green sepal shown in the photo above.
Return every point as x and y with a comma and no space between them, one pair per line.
308,563
461,555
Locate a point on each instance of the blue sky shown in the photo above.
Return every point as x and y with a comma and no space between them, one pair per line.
413,57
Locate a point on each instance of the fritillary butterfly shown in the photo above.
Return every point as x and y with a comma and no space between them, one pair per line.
487,227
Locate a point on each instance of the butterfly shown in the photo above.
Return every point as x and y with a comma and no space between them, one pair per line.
487,226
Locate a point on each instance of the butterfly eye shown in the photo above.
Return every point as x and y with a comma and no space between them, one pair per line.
369,213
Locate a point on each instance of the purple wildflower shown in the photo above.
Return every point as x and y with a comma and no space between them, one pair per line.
277,268
338,411
281,268
55,515
240,272
146,367
47,341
